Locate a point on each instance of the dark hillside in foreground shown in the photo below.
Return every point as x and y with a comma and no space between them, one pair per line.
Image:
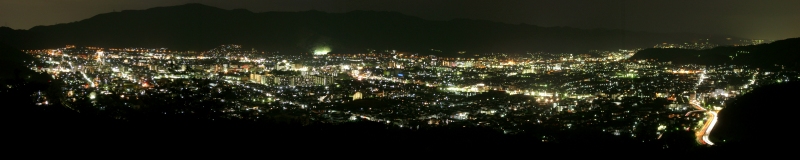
60,131
784,52
761,119
14,63
198,27
107,135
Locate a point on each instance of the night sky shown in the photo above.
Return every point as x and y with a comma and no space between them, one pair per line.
762,19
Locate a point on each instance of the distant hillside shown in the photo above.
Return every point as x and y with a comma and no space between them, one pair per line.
199,27
784,52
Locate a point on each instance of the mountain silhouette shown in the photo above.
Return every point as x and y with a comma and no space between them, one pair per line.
782,54
199,27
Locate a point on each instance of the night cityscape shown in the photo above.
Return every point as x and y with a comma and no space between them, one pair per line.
696,95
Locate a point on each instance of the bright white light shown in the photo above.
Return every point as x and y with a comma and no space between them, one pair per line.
710,127
662,127
87,79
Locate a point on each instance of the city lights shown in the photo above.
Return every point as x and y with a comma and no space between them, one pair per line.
497,91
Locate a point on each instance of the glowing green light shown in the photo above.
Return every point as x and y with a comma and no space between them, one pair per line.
321,50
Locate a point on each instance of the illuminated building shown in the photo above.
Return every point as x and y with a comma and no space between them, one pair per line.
357,96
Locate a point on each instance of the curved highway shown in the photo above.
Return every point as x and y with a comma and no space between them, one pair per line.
709,126
711,120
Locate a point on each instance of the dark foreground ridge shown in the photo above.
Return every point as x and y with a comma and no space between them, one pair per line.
761,119
59,128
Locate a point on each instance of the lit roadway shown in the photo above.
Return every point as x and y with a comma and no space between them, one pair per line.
711,120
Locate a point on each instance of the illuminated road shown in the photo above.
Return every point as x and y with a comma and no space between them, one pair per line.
691,112
709,127
711,120
88,80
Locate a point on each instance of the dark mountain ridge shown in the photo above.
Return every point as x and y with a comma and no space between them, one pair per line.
199,27
783,54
